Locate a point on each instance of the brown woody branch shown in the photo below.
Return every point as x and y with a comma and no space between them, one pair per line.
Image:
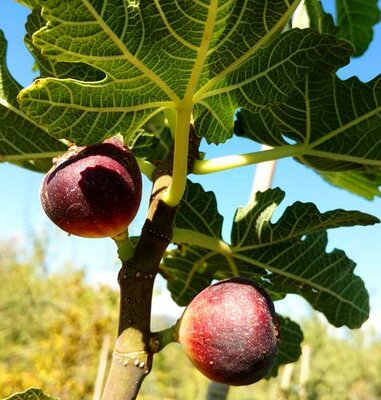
133,352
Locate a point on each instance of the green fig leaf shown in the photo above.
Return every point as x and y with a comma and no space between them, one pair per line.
311,13
151,145
49,67
150,58
290,340
288,256
366,185
189,269
293,253
356,19
337,124
198,211
19,136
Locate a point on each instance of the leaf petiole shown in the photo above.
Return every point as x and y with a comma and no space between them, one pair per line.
162,338
212,243
175,192
126,250
224,163
200,239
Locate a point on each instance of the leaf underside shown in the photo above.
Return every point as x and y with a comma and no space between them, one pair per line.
346,124
288,256
367,185
109,68
18,134
338,122
123,68
198,211
356,19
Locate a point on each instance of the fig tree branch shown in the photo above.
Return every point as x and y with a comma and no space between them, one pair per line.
133,351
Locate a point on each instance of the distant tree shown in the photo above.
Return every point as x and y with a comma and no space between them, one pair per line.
51,326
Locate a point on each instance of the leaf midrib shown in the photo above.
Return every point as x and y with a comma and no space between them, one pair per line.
344,128
200,94
298,278
21,114
296,234
140,107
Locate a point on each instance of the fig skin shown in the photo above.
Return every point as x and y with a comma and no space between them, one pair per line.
230,332
93,191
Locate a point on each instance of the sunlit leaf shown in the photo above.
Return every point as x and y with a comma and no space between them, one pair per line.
337,122
47,66
311,14
158,55
28,3
268,77
367,185
293,252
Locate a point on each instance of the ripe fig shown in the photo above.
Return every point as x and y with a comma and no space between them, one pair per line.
230,332
93,191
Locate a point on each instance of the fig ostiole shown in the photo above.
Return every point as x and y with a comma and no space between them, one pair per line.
230,332
93,191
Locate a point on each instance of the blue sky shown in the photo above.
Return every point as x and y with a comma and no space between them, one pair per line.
21,215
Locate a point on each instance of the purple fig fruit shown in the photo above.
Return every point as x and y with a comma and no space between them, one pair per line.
230,332
93,191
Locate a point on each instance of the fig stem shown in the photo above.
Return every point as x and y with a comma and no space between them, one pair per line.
162,338
125,247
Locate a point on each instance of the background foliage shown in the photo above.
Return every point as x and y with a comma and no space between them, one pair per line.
56,344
